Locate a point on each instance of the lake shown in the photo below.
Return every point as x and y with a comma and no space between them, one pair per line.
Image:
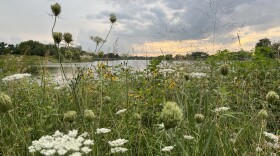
69,68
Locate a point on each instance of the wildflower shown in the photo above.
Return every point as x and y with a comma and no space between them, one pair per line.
16,77
167,71
62,144
57,37
271,136
76,154
188,137
70,116
56,9
102,130
160,126
199,118
272,97
117,143
67,37
5,103
221,109
89,115
224,69
107,99
113,18
118,150
197,75
258,149
262,114
171,115
167,148
121,111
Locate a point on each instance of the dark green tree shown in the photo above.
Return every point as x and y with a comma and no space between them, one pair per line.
265,42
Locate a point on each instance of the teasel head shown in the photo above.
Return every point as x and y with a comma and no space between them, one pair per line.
56,9
272,97
70,116
67,37
224,69
113,18
5,102
57,37
171,115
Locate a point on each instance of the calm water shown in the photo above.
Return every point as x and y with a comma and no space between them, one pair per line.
69,68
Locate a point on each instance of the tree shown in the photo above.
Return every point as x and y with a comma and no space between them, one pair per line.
265,42
2,47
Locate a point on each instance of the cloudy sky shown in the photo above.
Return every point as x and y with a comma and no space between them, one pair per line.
146,27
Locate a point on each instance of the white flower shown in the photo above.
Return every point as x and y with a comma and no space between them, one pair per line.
118,150
167,71
121,111
221,109
188,137
167,148
198,75
102,130
258,149
62,144
271,136
76,154
160,126
85,150
118,142
16,77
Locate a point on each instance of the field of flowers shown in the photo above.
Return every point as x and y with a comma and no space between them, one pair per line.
202,108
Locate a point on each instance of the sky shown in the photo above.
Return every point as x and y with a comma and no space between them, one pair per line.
146,27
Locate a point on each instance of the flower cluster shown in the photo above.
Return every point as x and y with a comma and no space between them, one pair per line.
221,109
273,142
121,111
62,144
167,148
102,130
116,146
16,77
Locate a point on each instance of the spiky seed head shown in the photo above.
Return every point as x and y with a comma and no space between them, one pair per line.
107,99
5,102
113,18
70,116
263,114
199,118
56,9
272,97
171,115
67,37
57,37
224,69
89,115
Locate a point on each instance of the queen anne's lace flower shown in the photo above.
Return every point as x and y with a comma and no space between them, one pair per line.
118,150
167,148
62,144
117,143
121,111
188,137
102,130
16,77
221,109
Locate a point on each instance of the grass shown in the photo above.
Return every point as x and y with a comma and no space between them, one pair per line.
38,109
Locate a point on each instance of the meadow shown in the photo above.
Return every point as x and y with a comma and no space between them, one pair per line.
205,108
212,107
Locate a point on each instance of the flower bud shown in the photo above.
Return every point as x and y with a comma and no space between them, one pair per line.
272,97
262,114
89,115
5,103
199,118
171,115
224,69
57,37
67,37
56,9
107,99
70,116
113,18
